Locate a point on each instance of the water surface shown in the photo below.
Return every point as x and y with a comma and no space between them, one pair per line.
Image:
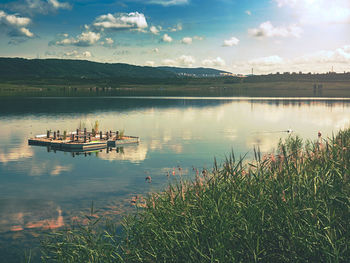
42,189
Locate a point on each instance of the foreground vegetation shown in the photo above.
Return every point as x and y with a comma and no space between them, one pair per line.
288,206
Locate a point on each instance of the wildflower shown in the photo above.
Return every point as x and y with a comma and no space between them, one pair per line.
199,181
283,196
143,205
134,200
273,159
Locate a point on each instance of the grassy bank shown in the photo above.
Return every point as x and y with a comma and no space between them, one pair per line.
288,206
191,87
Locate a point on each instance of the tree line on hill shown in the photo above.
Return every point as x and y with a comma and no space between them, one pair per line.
71,72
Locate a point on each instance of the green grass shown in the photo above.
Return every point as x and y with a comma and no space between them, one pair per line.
288,206
192,87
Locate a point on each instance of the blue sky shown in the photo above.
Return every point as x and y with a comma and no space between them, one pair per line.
267,35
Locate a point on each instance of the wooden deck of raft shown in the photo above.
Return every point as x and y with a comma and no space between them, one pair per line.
82,140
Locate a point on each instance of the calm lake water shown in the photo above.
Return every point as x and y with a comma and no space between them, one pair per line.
41,189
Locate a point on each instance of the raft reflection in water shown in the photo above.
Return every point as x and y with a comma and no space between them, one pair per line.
135,153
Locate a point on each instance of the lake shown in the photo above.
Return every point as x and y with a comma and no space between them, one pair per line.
43,189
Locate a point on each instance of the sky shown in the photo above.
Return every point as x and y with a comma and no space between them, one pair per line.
267,36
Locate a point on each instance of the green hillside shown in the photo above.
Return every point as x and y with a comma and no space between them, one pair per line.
11,68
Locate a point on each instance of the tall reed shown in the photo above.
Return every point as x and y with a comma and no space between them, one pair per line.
288,206
292,206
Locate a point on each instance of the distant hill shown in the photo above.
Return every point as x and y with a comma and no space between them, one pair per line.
61,68
20,68
198,72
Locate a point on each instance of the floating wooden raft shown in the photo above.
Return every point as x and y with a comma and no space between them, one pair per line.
80,141
125,140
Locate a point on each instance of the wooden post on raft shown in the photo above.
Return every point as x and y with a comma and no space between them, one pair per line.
100,135
48,134
54,135
58,134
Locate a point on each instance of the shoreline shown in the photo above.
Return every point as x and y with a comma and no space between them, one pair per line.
193,88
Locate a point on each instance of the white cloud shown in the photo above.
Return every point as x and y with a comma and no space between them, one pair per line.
336,56
248,12
169,62
87,54
266,61
320,61
71,53
14,20
214,62
178,27
149,63
155,30
77,54
133,20
120,21
88,38
26,32
266,29
38,6
15,25
198,38
109,41
263,64
318,11
167,38
186,40
233,41
155,50
184,60
57,5
168,2
84,39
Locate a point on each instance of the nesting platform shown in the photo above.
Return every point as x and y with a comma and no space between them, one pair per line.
82,140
